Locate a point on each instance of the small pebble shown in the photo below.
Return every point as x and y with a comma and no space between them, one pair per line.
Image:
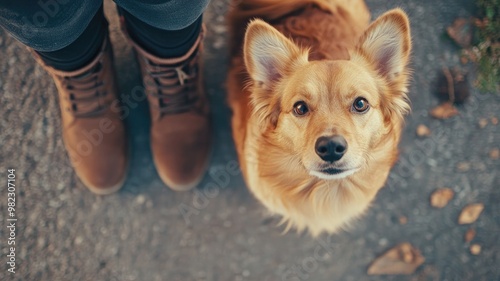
383,242
140,199
54,204
495,154
475,249
463,166
483,122
431,162
494,121
78,240
403,220
423,131
41,242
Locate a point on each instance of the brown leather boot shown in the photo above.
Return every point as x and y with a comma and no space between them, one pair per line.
180,124
93,131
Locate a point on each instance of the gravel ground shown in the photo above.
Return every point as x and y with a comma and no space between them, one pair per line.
219,231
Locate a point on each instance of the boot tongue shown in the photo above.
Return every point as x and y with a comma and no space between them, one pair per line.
89,72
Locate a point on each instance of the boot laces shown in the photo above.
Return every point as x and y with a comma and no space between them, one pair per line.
85,92
174,86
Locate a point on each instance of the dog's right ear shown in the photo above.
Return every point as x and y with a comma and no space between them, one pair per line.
268,54
387,44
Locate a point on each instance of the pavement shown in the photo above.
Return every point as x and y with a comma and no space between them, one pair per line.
219,231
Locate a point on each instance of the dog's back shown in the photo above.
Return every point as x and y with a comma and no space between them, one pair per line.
328,27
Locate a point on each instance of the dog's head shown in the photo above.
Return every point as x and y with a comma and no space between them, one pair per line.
330,114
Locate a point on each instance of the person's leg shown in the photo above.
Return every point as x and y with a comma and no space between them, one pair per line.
81,51
167,36
166,28
71,42
66,36
47,25
161,42
165,14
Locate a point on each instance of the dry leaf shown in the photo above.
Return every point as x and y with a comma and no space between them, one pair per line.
423,131
495,153
453,85
475,249
494,121
483,122
461,32
444,111
463,166
441,197
481,23
469,235
470,213
402,259
403,220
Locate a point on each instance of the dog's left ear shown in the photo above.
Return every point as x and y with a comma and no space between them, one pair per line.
387,44
268,54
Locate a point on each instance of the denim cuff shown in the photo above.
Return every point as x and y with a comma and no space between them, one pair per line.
47,25
165,14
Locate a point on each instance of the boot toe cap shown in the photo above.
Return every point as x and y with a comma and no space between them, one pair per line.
181,164
101,166
104,176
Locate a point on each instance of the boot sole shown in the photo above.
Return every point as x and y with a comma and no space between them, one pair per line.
107,190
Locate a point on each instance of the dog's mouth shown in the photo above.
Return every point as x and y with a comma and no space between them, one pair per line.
333,173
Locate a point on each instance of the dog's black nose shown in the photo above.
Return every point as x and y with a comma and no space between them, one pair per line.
331,148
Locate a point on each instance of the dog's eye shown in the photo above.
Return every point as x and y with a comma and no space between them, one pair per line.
360,105
300,108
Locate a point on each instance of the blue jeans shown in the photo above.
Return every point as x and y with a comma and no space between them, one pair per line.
50,25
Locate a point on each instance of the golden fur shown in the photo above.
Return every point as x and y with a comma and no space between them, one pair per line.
324,53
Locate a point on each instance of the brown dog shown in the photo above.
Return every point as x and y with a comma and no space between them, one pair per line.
319,99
